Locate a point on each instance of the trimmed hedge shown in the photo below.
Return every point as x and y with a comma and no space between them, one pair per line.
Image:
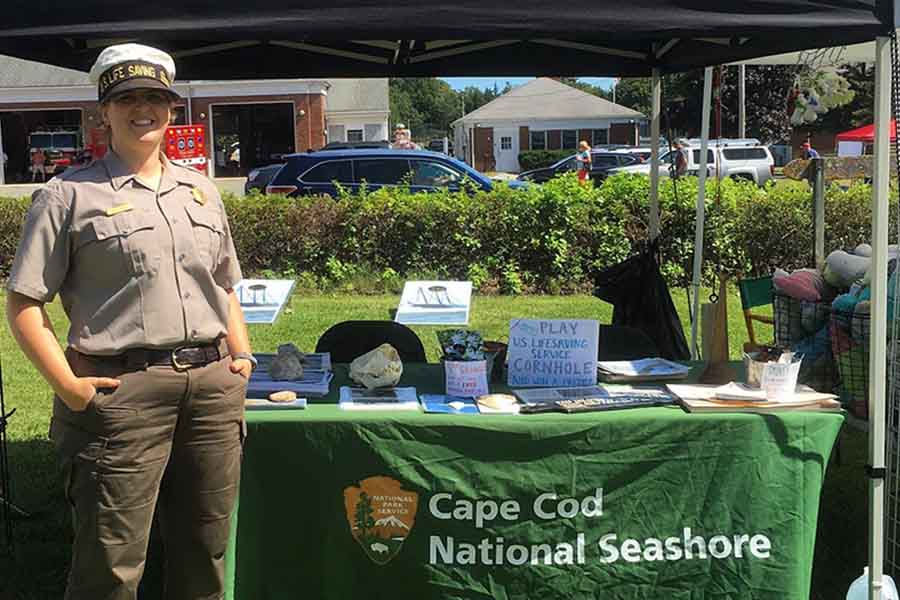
537,159
547,238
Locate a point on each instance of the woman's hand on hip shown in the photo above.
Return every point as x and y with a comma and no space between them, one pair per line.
242,366
79,394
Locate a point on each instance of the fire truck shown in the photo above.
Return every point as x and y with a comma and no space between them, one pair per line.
186,145
59,147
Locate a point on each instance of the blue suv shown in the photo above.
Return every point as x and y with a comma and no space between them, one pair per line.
316,173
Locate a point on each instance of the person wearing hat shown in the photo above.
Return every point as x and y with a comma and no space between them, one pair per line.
149,393
808,151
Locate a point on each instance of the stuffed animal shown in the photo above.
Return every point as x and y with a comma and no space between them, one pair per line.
843,268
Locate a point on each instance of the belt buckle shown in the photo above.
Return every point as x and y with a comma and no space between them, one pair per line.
179,366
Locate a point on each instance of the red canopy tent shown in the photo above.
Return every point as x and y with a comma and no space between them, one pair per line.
865,134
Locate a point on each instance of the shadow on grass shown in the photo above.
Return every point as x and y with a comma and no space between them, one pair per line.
37,564
842,532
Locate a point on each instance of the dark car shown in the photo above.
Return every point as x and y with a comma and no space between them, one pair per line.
356,145
321,172
601,162
259,178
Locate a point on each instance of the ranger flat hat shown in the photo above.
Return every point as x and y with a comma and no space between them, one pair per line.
132,66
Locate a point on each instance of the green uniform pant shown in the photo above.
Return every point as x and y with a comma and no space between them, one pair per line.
163,434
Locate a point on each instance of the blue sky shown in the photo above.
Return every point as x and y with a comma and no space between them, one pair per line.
458,83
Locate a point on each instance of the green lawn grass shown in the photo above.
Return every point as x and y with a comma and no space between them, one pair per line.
38,569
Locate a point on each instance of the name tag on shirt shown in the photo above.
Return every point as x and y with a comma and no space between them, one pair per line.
119,208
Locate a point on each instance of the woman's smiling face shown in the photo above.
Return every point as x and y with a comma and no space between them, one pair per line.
138,118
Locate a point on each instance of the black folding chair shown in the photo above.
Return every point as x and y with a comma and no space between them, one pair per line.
350,339
619,342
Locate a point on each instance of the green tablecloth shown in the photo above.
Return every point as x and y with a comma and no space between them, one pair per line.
636,504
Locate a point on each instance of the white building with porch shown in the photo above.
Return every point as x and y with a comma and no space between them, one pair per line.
544,114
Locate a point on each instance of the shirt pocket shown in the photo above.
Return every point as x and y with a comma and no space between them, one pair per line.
131,236
208,232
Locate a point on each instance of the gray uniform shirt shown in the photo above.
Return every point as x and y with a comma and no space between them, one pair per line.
134,267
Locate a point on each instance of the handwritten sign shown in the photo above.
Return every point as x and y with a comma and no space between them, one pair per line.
466,378
556,353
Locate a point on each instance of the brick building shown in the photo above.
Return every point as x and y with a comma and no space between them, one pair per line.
249,122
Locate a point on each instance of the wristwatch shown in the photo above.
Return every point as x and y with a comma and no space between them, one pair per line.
246,356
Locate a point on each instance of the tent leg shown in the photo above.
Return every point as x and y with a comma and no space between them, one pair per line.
701,207
655,101
878,338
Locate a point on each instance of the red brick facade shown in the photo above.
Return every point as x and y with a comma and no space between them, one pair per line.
309,127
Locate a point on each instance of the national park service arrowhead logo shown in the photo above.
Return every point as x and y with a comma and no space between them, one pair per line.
381,514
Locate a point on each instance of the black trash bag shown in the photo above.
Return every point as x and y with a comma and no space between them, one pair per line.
641,299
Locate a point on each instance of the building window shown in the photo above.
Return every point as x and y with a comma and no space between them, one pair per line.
569,139
354,135
601,137
538,140
505,142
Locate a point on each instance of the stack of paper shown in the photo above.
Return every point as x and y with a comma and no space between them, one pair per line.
358,398
645,369
742,398
315,382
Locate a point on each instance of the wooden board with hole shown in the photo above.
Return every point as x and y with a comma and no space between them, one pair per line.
845,167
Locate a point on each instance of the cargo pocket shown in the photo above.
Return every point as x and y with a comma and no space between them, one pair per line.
79,453
125,502
208,232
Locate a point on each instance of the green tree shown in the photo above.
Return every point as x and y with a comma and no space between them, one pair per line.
634,92
426,105
363,519
594,90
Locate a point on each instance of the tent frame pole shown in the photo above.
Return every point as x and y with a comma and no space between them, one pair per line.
878,338
701,208
655,102
742,101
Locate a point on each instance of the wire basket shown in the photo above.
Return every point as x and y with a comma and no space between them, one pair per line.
850,332
803,327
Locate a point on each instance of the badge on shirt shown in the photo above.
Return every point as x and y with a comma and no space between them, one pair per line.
119,208
199,198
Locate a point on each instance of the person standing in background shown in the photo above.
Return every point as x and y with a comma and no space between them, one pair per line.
680,164
808,151
38,159
583,160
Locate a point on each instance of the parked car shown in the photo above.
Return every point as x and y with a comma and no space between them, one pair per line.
642,154
601,162
437,145
738,159
259,178
356,145
321,172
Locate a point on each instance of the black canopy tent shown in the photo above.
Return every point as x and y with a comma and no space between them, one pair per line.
280,38
227,39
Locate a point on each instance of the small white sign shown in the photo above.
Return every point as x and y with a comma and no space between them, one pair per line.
435,303
466,378
779,380
263,299
555,353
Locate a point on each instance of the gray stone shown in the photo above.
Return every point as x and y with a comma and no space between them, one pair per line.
288,364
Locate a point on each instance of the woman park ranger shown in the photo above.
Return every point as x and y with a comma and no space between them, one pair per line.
149,393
